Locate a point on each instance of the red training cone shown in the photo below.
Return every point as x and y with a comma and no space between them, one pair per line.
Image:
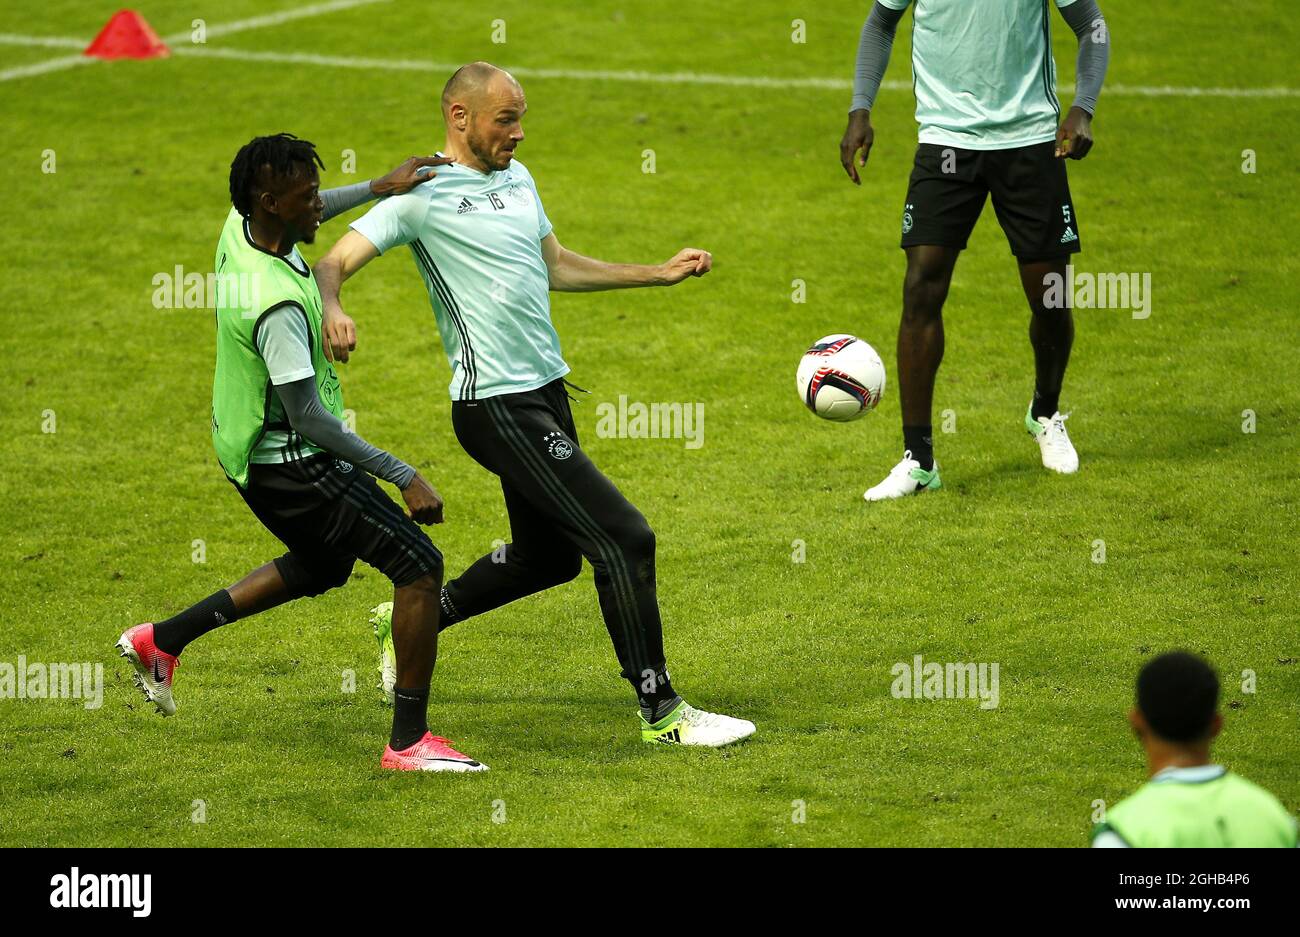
127,36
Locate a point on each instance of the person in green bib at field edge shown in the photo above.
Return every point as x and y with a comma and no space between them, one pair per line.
1189,800
277,427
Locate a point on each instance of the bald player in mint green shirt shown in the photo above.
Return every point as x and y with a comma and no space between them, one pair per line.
489,259
477,242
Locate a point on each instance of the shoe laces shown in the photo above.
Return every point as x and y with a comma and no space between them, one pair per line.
430,741
698,717
1056,427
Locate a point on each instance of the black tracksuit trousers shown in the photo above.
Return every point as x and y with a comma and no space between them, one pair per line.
561,509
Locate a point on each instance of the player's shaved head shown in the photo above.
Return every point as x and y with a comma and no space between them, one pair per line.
474,84
483,107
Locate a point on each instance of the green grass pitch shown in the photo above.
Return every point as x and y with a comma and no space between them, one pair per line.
1198,518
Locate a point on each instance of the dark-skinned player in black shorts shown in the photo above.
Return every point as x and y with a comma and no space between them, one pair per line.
990,125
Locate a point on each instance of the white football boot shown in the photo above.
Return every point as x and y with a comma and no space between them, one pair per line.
905,478
687,725
1053,441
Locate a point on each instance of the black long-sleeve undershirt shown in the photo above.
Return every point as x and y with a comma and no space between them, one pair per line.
310,419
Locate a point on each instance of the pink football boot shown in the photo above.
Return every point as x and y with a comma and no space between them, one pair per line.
431,753
153,667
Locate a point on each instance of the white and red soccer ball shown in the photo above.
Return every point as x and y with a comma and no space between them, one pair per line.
840,378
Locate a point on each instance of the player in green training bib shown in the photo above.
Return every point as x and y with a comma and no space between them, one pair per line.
1189,801
990,126
277,427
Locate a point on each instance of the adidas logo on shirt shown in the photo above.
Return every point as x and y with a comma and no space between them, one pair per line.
465,205
1069,235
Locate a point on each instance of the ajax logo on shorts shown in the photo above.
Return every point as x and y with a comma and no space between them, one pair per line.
907,219
559,447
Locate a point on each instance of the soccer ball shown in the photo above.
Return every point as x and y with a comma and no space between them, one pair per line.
840,378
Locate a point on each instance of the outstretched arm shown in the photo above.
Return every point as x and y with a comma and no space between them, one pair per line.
338,331
573,273
1074,138
305,413
873,58
402,179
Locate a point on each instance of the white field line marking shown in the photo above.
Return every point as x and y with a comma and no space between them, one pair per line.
690,78
257,22
49,65
1177,91
272,19
54,42
683,78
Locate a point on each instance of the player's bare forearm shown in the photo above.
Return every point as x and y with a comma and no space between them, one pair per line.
352,252
329,280
574,273
571,272
338,331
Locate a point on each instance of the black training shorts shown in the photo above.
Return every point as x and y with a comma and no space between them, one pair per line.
330,514
1031,196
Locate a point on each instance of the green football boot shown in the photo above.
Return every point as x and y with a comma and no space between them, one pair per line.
381,619
687,725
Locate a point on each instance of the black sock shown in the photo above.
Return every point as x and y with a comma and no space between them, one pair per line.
449,614
919,440
1045,404
410,717
173,634
660,701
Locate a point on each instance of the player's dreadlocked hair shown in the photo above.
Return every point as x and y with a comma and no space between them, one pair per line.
280,152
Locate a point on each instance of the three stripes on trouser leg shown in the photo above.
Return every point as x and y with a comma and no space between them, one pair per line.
628,598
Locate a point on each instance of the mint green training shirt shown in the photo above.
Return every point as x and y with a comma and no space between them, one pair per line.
477,242
983,72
